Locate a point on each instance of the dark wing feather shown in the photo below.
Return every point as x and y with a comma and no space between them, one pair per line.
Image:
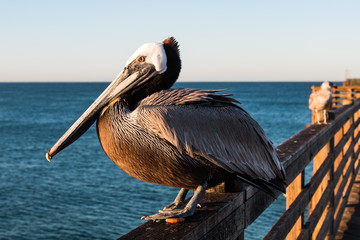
213,126
186,96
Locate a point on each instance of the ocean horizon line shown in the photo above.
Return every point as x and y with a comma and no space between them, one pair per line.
264,81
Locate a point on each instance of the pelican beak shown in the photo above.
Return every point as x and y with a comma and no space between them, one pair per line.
132,77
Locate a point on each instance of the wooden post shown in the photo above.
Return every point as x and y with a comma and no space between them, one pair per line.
338,162
356,132
330,206
336,139
335,100
349,97
318,160
292,192
229,186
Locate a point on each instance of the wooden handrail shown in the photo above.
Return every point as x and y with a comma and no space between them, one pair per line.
288,219
342,95
335,150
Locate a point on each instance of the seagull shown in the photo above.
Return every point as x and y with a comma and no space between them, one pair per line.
321,100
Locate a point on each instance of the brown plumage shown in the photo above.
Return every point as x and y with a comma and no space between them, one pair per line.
184,138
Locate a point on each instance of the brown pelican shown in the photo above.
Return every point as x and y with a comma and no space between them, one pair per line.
321,100
184,138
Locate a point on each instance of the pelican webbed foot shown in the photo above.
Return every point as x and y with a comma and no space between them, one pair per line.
178,209
179,201
166,214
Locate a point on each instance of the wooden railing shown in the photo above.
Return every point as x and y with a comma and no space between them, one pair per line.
333,150
335,164
342,95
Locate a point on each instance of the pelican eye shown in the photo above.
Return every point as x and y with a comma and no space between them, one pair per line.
141,59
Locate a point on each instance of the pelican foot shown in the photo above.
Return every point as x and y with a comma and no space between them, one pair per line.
179,201
174,210
173,213
174,205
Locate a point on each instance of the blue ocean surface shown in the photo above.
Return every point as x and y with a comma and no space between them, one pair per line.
81,194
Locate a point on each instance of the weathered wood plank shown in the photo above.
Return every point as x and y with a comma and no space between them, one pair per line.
346,158
343,183
226,229
344,196
289,217
292,191
325,226
297,151
342,207
215,208
350,222
317,213
319,193
277,232
255,205
300,203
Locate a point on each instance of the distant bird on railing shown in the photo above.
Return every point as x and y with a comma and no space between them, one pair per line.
184,138
321,101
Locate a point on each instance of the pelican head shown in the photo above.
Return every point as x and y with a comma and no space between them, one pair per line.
153,67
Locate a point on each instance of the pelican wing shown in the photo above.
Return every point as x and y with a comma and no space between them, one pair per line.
210,125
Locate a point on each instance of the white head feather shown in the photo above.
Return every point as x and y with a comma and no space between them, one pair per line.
325,85
154,53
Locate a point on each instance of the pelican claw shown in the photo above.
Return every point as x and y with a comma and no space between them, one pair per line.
173,206
178,212
165,214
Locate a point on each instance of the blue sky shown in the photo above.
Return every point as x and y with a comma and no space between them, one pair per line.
219,40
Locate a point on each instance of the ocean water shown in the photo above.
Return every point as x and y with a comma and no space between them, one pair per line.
81,194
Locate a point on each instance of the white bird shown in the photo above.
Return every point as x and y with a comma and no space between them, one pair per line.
321,100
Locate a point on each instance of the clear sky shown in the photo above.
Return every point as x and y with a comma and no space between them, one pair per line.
84,40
